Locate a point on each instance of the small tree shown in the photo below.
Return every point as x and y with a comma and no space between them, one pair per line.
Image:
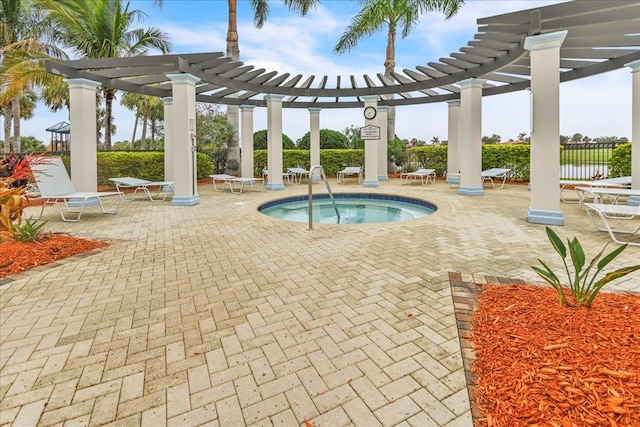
328,139
260,141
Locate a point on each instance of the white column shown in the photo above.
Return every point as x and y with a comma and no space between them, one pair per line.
183,134
383,166
635,130
453,151
470,137
246,116
274,141
371,146
544,53
314,143
83,150
168,140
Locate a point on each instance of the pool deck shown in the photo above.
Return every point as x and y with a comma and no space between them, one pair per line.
218,315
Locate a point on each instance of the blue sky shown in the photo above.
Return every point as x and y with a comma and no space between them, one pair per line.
596,106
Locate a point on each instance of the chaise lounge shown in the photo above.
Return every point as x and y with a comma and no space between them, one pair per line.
424,174
55,187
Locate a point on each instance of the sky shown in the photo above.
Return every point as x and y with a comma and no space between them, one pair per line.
595,106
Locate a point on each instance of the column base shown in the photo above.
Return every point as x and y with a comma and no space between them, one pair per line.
185,200
453,179
371,184
383,178
471,191
536,216
633,201
276,186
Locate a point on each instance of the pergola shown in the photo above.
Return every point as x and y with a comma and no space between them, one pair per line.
534,49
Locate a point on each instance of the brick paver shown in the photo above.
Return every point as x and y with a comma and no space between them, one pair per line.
217,315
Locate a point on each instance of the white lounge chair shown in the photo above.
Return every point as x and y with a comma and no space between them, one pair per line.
600,194
298,174
564,183
286,176
163,187
55,187
619,213
495,173
424,174
236,183
350,171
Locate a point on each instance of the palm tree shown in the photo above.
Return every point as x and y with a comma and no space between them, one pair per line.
102,29
391,14
261,12
24,34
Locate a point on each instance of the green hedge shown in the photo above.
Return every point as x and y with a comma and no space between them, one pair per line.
332,160
144,165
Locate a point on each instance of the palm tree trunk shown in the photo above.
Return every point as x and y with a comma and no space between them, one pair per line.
15,109
135,128
233,117
109,95
143,141
7,133
389,66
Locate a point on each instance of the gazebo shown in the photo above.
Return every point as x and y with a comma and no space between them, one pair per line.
535,49
60,136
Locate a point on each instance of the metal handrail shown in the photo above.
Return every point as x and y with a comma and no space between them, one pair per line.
326,183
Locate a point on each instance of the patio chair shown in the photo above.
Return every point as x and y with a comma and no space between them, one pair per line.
55,187
236,183
495,173
298,174
619,213
163,187
424,174
350,171
286,176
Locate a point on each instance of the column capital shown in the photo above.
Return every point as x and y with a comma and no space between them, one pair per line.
184,78
471,83
453,102
273,97
383,108
247,107
168,100
634,65
545,41
370,98
314,110
81,84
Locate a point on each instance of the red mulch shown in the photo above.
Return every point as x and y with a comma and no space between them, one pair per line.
539,364
19,256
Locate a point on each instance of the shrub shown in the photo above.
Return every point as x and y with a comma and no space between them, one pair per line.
260,141
620,162
584,288
329,139
31,231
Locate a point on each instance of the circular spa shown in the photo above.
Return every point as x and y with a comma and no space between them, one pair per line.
353,208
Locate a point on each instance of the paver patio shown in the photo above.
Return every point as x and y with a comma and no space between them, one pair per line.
218,315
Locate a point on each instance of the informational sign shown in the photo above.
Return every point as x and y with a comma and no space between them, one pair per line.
370,132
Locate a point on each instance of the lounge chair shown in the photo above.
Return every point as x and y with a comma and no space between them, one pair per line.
599,194
495,173
163,187
350,171
55,187
286,176
564,183
424,174
619,213
236,183
298,174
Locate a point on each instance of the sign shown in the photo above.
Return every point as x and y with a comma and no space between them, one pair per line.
370,132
